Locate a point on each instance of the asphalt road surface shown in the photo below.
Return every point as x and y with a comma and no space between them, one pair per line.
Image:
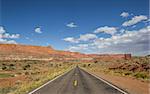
77,81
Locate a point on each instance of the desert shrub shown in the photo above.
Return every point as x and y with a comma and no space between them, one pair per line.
89,65
60,65
51,65
4,67
35,62
27,73
19,73
127,73
11,67
84,65
141,75
26,67
5,75
3,64
95,62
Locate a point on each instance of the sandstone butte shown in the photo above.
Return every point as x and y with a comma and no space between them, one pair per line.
11,51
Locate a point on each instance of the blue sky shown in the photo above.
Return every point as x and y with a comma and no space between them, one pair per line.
51,22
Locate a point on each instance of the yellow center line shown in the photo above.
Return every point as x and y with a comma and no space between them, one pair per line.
75,82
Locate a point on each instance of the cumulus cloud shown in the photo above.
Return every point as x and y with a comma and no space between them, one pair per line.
71,39
38,30
87,37
132,41
71,25
13,36
6,37
135,20
27,38
2,30
84,37
79,47
135,42
124,14
106,29
6,41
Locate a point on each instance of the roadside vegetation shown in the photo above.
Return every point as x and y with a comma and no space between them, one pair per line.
20,77
137,67
5,75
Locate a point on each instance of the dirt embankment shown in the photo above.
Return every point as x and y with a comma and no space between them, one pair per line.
131,75
129,84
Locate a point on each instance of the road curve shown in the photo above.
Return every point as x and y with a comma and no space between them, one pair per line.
77,81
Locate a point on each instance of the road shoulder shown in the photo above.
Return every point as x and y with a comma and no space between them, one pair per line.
131,85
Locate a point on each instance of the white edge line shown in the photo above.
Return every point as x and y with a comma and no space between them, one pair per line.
48,82
107,82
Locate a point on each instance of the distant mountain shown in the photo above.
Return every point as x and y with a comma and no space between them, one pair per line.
17,51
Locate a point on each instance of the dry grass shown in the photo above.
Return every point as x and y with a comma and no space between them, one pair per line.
137,67
28,74
20,77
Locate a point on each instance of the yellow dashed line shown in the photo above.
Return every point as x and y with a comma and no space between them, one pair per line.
75,82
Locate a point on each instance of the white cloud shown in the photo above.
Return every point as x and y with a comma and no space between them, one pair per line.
135,20
71,25
122,31
5,41
6,37
124,14
87,37
135,42
79,47
2,30
148,20
29,39
121,40
38,30
106,29
13,36
71,39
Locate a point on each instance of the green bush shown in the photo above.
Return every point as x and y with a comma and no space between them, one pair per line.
84,65
5,75
142,75
4,67
26,67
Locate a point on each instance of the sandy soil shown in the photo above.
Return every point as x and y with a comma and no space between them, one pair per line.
129,84
9,82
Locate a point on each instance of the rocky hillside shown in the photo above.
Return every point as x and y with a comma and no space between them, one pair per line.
10,51
17,51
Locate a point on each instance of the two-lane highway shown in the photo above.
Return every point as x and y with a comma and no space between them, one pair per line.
77,81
